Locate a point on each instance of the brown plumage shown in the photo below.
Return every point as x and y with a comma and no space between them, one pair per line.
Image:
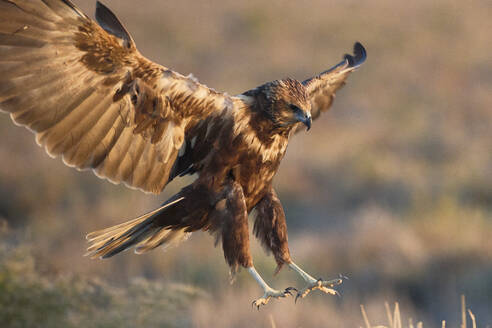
91,98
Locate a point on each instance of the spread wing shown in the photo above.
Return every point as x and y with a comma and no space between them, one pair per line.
321,88
92,98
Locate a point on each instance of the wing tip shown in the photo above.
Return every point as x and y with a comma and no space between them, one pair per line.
359,56
100,6
74,8
111,24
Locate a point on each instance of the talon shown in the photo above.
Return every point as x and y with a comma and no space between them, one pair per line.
288,289
259,302
322,285
343,277
272,293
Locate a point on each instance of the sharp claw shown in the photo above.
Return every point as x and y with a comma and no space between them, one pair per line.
271,294
322,285
258,303
343,277
288,289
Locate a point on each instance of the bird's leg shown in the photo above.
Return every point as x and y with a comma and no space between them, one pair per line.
269,292
230,215
271,228
312,283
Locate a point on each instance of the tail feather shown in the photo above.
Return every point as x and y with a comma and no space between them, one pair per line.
123,227
113,247
102,234
166,238
140,232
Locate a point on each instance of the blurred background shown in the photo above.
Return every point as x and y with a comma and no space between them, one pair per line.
392,187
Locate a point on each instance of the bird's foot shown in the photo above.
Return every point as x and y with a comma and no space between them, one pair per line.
269,293
323,285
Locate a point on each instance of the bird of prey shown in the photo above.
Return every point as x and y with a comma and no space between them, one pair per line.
92,99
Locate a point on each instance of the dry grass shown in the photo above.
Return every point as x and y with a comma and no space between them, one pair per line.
395,320
30,298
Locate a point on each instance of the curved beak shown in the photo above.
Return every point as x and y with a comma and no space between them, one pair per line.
304,118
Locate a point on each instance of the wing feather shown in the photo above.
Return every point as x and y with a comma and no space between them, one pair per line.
92,130
132,160
15,69
322,88
17,15
103,148
35,9
68,130
114,157
93,99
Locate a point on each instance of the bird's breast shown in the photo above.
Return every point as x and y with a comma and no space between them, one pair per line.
257,166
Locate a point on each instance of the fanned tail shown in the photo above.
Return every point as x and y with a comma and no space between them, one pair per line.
142,233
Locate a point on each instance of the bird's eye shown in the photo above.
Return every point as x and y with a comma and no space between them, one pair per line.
294,108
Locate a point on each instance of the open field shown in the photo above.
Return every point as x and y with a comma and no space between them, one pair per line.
392,188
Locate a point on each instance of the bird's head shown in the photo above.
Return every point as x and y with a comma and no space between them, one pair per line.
287,103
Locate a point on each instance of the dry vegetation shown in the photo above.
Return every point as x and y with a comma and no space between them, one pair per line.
392,188
395,320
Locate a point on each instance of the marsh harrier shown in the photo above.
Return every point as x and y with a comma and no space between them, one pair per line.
92,99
